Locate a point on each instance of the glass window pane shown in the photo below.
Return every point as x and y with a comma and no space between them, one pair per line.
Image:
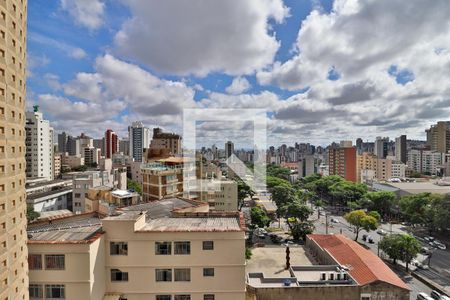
208,245
163,274
182,247
182,274
163,248
54,262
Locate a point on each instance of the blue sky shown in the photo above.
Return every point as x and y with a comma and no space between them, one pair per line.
324,70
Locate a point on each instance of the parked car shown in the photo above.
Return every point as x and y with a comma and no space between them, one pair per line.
435,295
381,232
333,220
364,237
440,245
370,240
428,238
422,266
423,296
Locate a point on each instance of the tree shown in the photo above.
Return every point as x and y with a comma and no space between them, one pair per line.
134,185
391,246
275,181
300,230
296,210
375,214
347,191
381,202
360,220
439,212
259,217
244,191
400,247
282,195
32,214
278,171
417,209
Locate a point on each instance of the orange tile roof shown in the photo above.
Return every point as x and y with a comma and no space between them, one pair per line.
364,266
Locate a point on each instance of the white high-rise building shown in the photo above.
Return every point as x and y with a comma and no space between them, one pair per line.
139,137
381,144
39,145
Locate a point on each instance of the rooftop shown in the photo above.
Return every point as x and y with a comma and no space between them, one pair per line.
421,187
75,229
363,265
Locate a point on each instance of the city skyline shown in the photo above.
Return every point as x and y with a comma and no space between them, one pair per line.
338,83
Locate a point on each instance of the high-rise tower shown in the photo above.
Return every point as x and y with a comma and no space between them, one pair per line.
13,220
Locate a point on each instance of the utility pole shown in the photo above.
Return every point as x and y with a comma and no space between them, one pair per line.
326,223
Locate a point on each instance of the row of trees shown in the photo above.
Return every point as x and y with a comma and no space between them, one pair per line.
402,247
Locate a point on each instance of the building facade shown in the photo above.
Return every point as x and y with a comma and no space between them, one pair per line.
111,143
139,139
342,162
381,147
39,145
438,137
169,249
161,181
400,149
166,141
13,250
426,162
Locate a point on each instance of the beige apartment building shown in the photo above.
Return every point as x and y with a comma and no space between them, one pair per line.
13,250
370,168
221,195
438,137
161,180
166,141
169,249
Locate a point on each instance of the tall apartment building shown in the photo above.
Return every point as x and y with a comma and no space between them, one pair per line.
168,249
13,248
229,149
139,137
111,143
124,146
62,142
39,145
370,167
73,146
426,162
438,137
308,165
400,149
166,141
381,147
100,144
342,162
91,155
57,165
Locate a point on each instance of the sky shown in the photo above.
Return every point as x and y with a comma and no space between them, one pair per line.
324,70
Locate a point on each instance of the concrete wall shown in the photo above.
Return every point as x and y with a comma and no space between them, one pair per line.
305,293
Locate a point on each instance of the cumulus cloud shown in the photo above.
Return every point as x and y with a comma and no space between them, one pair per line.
238,86
221,36
86,13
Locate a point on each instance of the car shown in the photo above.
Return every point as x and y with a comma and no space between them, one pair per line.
428,238
422,266
370,240
423,296
435,295
425,250
381,232
440,245
333,220
364,237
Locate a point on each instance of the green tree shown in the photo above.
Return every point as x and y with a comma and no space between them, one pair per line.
32,214
400,247
381,202
417,209
360,220
244,191
301,229
275,181
278,171
282,195
248,253
134,185
346,191
259,217
375,214
439,212
295,212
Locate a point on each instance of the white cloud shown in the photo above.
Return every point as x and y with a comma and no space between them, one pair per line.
238,86
71,51
86,13
78,53
229,36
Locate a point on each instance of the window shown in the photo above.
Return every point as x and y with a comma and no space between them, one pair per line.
208,272
182,274
182,247
54,291
54,262
35,261
117,275
36,291
163,248
182,297
118,248
163,297
208,245
163,274
208,297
